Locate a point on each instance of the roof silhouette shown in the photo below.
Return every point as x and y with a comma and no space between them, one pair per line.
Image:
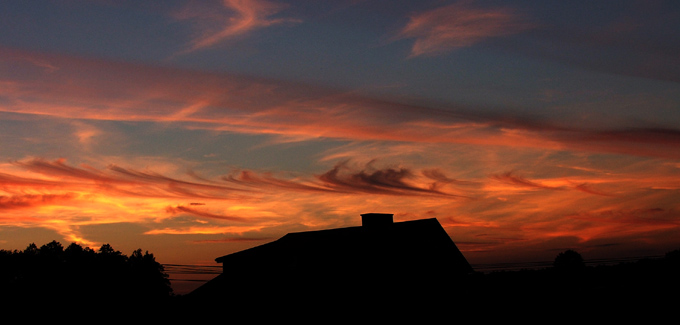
378,256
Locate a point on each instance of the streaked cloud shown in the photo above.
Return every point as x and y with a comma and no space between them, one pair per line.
588,188
387,154
32,200
268,181
230,19
460,25
488,212
204,214
348,178
393,181
511,178
119,179
231,103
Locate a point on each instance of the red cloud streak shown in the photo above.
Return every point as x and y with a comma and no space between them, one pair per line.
33,200
203,214
459,25
223,102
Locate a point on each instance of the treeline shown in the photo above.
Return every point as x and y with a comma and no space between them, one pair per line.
106,277
642,281
80,274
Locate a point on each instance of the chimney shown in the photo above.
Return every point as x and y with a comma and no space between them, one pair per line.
376,220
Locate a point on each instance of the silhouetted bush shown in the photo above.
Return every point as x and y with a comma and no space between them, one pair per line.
81,274
569,260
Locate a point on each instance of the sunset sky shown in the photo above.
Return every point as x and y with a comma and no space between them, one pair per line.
194,129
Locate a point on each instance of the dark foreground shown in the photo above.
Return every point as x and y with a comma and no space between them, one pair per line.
644,289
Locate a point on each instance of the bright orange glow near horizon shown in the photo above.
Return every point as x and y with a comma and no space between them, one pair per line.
193,130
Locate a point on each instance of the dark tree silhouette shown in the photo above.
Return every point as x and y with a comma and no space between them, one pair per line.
673,257
77,273
569,260
52,249
150,278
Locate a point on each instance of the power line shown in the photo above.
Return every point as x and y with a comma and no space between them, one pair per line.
178,268
188,269
544,264
193,269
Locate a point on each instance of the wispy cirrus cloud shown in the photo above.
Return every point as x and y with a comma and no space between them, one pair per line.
179,158
63,197
343,178
112,91
392,181
267,180
459,25
346,178
56,195
33,200
588,188
203,214
230,19
559,183
59,168
37,190
511,178
118,179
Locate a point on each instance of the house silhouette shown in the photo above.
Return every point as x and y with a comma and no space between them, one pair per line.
379,258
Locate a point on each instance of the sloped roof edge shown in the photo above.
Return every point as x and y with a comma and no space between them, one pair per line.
273,246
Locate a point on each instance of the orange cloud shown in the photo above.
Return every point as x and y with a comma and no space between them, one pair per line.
224,102
511,178
345,178
236,240
252,179
115,179
33,200
459,147
585,187
56,195
231,19
205,214
64,197
392,181
593,225
459,25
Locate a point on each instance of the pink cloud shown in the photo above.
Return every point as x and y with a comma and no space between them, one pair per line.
233,18
459,25
225,102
